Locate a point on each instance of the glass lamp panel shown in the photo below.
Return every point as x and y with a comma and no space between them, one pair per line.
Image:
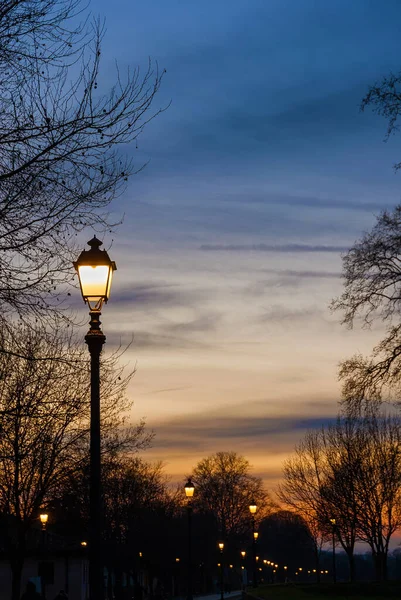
109,283
252,508
94,281
189,491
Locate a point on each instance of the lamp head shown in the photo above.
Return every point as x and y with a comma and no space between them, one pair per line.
253,508
44,517
95,271
189,488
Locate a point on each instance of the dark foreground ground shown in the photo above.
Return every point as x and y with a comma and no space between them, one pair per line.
340,591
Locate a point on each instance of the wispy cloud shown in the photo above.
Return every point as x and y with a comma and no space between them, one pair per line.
287,248
279,314
150,294
304,274
195,430
157,341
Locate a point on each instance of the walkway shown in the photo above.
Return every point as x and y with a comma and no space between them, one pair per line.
236,594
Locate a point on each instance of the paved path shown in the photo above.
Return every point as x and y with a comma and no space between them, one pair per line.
236,594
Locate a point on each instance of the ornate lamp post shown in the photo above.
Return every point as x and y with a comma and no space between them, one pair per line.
243,570
221,548
189,492
95,270
333,533
252,509
44,517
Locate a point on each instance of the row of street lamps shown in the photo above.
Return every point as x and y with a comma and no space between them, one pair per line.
189,492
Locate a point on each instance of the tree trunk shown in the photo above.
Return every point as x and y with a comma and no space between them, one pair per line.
317,564
351,565
380,563
16,564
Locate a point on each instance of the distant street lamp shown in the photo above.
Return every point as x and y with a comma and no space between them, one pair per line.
252,509
95,271
44,517
333,532
221,548
189,492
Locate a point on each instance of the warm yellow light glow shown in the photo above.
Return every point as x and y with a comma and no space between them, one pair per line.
221,546
95,281
276,566
231,566
285,568
326,572
140,555
189,489
219,564
242,567
256,558
300,569
333,521
255,535
314,570
243,553
83,543
177,560
253,508
44,518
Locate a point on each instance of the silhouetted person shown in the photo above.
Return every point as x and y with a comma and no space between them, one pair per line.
30,592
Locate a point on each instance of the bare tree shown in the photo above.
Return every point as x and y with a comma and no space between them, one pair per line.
226,488
59,138
372,273
350,472
379,485
372,277
44,434
300,491
384,99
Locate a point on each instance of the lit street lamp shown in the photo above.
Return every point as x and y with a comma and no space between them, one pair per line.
95,270
333,531
44,517
221,548
252,509
189,492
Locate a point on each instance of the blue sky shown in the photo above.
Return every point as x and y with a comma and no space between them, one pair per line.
261,172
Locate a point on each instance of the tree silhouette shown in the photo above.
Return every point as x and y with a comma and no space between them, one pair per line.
60,134
44,437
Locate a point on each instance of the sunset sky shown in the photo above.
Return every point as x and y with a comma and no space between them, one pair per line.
262,172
